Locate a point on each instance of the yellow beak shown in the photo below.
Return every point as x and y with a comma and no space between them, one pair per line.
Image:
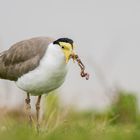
68,55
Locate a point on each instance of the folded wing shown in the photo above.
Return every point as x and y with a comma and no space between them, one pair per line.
22,57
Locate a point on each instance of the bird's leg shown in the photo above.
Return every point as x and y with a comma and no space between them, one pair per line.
28,108
37,111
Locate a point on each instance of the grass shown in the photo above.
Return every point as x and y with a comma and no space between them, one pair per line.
66,124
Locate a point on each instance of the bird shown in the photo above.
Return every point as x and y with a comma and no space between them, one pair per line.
38,66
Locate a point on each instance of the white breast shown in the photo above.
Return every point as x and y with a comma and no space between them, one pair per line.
49,75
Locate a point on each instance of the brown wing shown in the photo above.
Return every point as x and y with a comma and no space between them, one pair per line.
22,57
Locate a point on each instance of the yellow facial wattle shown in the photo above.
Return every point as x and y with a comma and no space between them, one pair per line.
67,49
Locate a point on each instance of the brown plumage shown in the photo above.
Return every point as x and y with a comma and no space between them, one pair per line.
22,57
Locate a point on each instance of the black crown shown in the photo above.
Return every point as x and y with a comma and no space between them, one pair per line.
67,40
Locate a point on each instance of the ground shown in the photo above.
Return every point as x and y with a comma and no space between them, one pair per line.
67,124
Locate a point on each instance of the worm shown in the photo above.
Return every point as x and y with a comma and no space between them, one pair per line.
81,65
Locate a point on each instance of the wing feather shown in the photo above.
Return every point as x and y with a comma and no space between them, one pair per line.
22,57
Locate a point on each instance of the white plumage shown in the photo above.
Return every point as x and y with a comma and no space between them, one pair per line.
49,75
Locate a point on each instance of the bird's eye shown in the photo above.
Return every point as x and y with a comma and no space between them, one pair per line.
63,47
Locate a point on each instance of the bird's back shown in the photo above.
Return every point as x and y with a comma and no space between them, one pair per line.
22,57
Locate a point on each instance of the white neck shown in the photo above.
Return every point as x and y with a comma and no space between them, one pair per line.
55,52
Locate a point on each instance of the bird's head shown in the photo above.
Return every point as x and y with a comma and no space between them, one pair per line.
67,47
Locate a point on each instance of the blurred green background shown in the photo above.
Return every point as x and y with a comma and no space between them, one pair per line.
121,121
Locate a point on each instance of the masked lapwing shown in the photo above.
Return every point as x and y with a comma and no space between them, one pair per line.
37,65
